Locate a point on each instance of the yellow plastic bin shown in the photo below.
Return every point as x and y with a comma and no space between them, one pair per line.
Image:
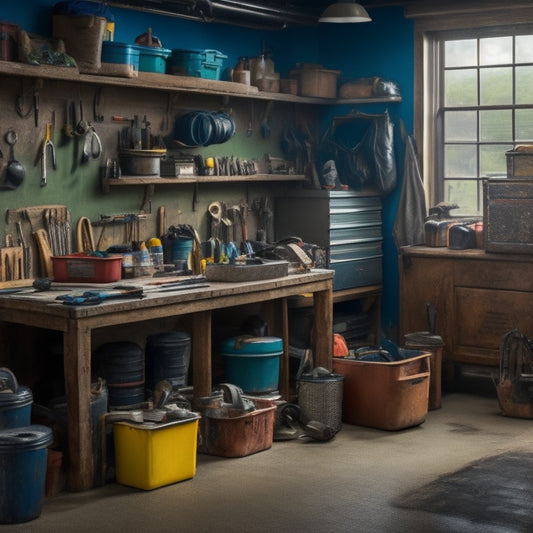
152,455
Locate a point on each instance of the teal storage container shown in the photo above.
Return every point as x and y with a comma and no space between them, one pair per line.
153,59
252,363
197,63
23,458
15,401
121,53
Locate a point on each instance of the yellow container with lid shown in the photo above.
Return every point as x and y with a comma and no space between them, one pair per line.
152,455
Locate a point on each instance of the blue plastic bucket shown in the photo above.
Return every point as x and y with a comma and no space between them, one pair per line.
181,248
23,457
15,401
252,363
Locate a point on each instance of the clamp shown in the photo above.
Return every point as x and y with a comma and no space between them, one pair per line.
47,145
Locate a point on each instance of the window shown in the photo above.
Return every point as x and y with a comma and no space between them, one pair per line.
483,107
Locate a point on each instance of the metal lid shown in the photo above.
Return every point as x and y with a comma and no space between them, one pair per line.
25,438
248,345
11,393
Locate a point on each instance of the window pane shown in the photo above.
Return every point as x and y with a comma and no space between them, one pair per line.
496,51
524,125
492,159
460,161
460,53
496,125
496,86
460,126
524,49
464,194
460,87
524,82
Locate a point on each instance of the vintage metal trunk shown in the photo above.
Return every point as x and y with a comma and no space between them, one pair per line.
347,224
508,215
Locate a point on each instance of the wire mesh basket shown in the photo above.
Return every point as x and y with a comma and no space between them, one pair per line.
320,398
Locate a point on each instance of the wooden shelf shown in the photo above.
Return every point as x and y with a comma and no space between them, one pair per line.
149,180
168,82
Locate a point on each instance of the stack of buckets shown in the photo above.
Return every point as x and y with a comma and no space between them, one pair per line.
23,453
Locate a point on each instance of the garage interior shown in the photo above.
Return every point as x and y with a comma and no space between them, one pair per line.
461,465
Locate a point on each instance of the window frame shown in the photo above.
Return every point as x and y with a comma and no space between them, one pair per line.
431,23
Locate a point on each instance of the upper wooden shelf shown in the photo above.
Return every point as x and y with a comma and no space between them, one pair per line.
168,82
154,180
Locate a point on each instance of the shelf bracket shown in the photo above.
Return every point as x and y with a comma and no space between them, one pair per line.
147,198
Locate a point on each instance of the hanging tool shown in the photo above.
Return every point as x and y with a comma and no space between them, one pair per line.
92,145
84,235
48,145
98,117
45,253
26,250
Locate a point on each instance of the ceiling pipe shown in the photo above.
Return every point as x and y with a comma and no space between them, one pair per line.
247,14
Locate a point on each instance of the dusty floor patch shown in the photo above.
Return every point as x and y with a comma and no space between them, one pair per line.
494,490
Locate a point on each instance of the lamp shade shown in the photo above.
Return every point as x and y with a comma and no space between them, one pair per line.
345,12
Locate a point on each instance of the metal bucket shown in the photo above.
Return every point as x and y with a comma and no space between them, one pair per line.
141,162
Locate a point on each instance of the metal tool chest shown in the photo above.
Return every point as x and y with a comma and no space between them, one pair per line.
347,224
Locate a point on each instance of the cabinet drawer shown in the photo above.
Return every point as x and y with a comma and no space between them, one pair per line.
353,218
359,203
355,235
484,316
494,274
357,273
347,252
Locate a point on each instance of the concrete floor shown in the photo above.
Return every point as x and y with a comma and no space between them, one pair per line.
346,484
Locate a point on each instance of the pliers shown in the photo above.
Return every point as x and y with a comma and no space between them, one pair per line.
47,145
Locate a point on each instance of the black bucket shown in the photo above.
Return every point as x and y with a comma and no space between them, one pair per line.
167,358
121,364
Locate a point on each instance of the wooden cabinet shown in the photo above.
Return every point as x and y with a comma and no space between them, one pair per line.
479,297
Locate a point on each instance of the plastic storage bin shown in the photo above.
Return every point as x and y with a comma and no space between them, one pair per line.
15,401
82,268
197,63
23,462
385,395
153,59
151,455
228,432
121,53
252,363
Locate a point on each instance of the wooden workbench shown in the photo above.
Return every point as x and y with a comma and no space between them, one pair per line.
78,323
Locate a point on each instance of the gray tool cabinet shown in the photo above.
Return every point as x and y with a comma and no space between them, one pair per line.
348,226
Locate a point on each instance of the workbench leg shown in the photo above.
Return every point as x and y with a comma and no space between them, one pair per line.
77,361
323,328
280,327
201,354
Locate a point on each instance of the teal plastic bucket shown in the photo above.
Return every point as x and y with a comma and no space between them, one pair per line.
23,458
15,401
252,363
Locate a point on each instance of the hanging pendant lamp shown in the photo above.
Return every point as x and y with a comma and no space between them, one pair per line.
345,12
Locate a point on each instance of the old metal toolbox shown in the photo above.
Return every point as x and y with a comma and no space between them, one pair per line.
347,224
508,215
520,162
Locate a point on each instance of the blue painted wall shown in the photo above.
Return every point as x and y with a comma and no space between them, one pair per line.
383,48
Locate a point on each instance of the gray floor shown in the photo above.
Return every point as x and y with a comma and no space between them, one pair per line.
347,484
